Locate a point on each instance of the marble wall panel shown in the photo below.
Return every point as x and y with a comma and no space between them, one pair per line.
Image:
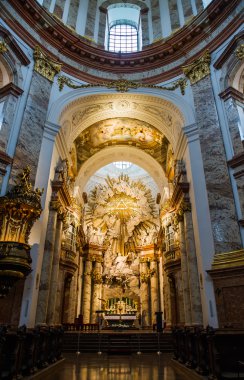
102,27
156,22
73,11
233,122
46,4
187,9
145,29
8,117
59,8
91,17
174,15
31,132
222,209
199,5
229,294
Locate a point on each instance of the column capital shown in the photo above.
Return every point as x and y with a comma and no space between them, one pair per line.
199,69
44,65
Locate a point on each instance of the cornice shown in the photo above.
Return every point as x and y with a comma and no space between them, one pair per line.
156,55
237,160
10,41
10,89
229,50
231,92
5,159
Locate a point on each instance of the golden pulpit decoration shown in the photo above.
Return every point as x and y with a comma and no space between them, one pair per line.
19,209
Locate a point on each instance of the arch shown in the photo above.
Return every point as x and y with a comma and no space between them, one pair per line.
6,75
62,108
122,153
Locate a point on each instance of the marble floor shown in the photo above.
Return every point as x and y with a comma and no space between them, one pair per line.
111,367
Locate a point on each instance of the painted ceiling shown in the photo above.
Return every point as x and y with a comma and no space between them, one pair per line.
120,131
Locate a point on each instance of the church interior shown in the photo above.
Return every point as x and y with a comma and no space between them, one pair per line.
122,183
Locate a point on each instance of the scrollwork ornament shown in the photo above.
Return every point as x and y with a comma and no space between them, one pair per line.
240,52
198,69
146,276
44,65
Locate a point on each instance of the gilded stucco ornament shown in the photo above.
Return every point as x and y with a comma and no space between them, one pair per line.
146,276
19,209
123,85
240,52
97,277
199,69
3,47
44,65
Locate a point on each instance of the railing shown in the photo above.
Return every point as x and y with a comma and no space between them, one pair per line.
23,351
216,353
81,326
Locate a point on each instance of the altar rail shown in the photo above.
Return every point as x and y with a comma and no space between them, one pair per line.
23,351
216,353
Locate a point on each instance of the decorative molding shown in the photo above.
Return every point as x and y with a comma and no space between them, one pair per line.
44,65
171,49
199,69
122,85
12,44
240,52
3,47
229,50
227,260
236,161
231,92
10,89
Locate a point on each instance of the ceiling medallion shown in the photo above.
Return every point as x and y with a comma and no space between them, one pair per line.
123,85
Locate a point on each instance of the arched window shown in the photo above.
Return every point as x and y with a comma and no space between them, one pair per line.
123,26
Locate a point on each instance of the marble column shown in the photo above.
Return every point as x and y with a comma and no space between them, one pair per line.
184,275
195,299
167,302
73,298
144,296
87,292
59,297
224,223
179,299
154,296
97,288
55,271
45,281
79,286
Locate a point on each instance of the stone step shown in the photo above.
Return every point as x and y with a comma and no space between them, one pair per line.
117,343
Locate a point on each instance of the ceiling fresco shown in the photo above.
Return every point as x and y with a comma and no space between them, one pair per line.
120,131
